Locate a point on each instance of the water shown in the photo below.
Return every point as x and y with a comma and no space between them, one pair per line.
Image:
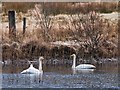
61,76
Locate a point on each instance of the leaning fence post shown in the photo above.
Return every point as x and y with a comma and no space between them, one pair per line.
12,26
24,25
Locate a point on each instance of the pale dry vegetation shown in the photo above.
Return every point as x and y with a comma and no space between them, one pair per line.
100,36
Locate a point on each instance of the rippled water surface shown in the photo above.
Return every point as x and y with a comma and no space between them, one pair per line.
60,76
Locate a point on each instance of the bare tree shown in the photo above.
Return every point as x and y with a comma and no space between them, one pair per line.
93,29
44,20
90,28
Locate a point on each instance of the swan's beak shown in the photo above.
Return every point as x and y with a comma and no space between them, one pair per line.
71,55
41,58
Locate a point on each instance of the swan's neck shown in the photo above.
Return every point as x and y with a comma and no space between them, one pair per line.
40,65
31,65
74,62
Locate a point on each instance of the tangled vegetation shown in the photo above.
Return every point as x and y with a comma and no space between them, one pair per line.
99,35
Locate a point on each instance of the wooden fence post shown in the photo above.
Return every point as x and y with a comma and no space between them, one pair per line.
12,26
24,25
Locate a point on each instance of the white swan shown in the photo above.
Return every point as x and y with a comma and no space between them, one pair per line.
81,66
32,70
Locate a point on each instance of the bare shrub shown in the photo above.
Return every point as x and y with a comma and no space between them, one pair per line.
82,25
94,30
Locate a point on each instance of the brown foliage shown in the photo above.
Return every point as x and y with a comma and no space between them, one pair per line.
90,28
17,6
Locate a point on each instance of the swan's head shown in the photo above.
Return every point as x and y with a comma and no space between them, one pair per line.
73,55
41,58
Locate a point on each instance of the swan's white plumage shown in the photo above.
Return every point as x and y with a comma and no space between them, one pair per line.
32,70
81,66
85,66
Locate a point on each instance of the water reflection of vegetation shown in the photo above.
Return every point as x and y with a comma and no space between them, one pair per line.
63,69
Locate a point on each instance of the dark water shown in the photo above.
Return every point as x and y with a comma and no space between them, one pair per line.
60,76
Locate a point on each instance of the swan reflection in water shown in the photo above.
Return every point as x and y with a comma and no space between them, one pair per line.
34,78
74,71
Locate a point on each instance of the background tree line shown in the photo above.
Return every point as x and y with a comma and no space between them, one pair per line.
64,8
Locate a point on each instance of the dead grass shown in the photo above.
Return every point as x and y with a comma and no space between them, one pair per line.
33,44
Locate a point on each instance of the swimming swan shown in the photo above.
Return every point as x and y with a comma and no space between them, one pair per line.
81,66
32,70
